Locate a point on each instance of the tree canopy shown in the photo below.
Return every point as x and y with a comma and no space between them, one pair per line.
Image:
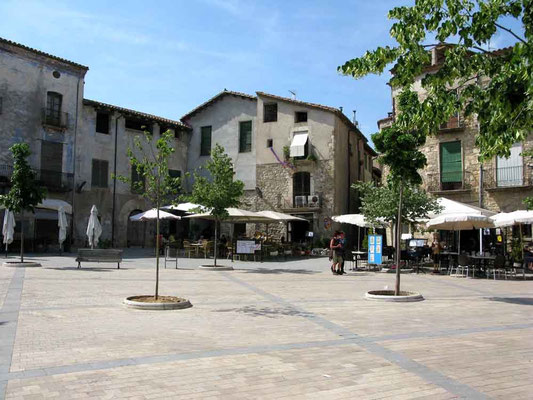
494,86
219,190
24,194
380,203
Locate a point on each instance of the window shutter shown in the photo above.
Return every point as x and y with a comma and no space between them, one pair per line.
205,141
104,168
451,166
245,136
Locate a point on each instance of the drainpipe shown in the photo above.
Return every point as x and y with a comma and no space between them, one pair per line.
73,219
114,183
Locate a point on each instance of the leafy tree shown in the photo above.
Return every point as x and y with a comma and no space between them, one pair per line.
24,194
496,87
380,203
150,159
218,191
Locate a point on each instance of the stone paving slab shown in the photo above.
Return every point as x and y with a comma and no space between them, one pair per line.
266,330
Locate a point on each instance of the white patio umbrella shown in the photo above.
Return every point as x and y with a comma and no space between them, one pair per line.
63,225
152,215
460,222
186,207
94,229
236,215
358,220
279,217
518,217
8,228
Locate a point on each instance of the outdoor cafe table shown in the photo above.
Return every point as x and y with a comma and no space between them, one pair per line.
450,255
197,246
481,260
357,256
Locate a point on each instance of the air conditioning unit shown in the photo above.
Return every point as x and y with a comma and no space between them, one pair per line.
313,200
300,201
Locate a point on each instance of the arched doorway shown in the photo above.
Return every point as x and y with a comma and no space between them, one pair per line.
136,231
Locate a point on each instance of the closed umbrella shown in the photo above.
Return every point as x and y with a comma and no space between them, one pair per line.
94,229
63,225
8,228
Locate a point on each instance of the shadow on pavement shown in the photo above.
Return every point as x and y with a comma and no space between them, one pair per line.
278,271
87,269
526,301
268,312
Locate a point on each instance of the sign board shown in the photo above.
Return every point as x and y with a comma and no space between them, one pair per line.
375,249
247,246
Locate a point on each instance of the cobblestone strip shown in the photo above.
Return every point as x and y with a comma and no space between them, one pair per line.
8,326
429,375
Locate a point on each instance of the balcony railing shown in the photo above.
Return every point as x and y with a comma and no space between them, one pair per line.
440,182
307,201
504,177
56,119
455,122
52,180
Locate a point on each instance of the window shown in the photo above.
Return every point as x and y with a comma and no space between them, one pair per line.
245,136
205,141
102,122
270,143
138,124
138,184
100,173
51,163
510,171
174,173
270,112
301,187
300,145
300,116
163,129
451,165
53,109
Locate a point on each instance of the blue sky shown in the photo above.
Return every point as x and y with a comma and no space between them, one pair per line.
166,57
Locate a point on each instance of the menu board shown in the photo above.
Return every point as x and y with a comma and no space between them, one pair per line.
247,246
375,249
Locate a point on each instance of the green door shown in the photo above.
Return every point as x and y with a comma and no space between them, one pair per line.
451,165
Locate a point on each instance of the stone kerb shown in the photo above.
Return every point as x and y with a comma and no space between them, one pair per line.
18,264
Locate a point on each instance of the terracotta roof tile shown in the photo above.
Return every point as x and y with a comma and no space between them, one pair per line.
98,104
42,53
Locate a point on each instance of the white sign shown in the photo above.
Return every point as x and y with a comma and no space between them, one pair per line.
247,246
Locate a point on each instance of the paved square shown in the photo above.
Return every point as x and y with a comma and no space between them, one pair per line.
266,330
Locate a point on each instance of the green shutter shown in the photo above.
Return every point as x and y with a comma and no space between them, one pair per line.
245,136
451,166
205,143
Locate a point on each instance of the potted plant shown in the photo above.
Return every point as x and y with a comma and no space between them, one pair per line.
517,253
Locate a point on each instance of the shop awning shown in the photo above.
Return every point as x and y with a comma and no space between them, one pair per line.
298,145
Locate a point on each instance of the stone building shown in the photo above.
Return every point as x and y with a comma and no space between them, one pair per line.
295,157
76,145
453,169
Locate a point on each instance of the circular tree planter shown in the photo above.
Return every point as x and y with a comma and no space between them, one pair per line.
211,267
163,302
18,264
388,295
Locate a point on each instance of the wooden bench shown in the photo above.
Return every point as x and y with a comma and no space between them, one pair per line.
99,255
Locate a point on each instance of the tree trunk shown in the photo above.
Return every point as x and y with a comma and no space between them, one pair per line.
398,242
216,242
21,238
157,254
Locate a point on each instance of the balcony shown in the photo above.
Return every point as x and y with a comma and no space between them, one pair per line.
52,180
505,178
455,123
301,203
439,182
56,120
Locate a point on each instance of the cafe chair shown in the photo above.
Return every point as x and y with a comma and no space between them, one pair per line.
463,262
171,254
187,248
